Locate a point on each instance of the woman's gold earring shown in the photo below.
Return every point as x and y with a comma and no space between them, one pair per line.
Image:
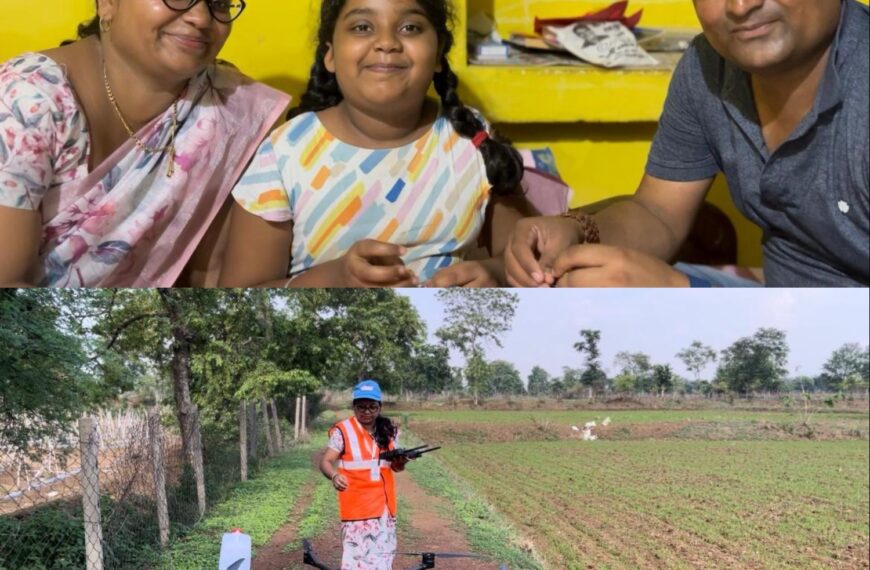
105,25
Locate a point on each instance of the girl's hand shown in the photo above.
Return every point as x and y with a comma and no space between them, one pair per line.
533,247
467,274
372,263
339,481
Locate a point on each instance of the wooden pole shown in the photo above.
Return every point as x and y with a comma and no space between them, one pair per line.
297,419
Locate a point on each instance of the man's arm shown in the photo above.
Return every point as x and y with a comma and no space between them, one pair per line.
657,219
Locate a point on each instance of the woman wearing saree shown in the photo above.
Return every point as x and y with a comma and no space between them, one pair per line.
118,151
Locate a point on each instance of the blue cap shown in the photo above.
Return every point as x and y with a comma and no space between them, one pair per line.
367,390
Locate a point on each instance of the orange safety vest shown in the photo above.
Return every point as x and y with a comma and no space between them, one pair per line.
371,485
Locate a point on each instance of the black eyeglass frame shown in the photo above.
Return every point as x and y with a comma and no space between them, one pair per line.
192,3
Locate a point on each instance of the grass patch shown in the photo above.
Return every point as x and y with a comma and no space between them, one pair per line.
258,506
319,516
487,531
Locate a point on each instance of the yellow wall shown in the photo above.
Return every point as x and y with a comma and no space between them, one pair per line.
599,123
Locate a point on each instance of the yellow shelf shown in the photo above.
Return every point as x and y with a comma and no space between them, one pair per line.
568,94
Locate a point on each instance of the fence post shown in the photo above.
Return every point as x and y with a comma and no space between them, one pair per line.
304,413
156,435
196,452
90,479
298,418
243,438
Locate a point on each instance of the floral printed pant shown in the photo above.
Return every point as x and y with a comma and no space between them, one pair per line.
369,544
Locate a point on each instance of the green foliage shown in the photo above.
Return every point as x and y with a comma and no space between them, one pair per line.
474,318
663,378
755,363
43,380
636,371
696,357
268,381
539,382
848,368
593,376
259,507
504,378
429,370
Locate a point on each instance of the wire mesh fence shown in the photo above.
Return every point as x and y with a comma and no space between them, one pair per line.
114,490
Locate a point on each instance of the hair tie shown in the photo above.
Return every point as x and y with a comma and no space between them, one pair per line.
478,139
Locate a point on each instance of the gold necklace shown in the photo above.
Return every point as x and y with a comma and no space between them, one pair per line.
170,148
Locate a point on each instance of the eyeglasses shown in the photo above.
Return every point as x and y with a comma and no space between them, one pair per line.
372,408
224,11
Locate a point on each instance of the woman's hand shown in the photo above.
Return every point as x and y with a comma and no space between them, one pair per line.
468,274
398,464
595,265
372,263
533,247
339,481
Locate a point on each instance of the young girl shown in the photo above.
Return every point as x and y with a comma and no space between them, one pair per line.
370,183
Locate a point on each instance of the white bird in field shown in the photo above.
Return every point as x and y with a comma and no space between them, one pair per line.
606,421
590,424
575,428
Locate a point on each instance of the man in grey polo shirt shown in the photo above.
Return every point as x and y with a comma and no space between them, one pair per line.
775,95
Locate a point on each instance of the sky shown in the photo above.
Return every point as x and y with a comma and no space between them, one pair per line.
662,322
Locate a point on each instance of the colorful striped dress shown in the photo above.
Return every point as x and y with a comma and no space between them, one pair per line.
429,195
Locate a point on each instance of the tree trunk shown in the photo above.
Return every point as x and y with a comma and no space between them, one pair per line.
279,441
270,444
253,436
191,440
243,439
304,415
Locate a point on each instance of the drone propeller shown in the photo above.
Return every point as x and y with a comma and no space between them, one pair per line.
446,554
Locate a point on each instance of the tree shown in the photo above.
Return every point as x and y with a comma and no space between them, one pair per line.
846,369
624,383
593,376
539,382
635,372
663,377
478,375
357,334
504,378
696,357
43,382
429,371
754,363
473,319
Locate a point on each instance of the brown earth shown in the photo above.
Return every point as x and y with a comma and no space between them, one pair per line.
423,526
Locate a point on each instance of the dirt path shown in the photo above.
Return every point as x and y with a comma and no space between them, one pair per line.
424,526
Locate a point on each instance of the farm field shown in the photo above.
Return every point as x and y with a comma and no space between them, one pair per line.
659,496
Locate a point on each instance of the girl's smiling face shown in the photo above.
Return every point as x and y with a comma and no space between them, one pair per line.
384,54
